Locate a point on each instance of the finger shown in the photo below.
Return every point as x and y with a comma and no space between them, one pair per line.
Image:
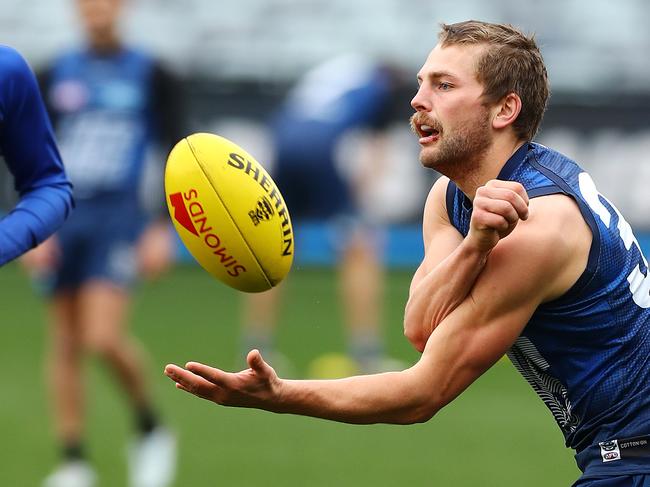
492,221
512,197
171,370
511,185
180,387
257,363
211,374
178,374
190,382
497,207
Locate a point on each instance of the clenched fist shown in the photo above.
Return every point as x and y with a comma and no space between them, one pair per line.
498,206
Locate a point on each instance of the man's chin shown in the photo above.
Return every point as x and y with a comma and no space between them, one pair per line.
428,158
427,164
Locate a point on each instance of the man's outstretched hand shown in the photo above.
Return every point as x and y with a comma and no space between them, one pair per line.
255,387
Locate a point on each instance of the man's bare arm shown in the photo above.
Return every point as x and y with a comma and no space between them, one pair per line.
451,263
538,263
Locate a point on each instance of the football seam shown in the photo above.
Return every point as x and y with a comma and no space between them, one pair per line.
216,191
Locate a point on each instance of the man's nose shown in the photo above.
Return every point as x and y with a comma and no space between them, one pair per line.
420,101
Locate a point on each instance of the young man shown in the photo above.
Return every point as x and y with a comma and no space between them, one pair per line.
109,103
30,152
522,256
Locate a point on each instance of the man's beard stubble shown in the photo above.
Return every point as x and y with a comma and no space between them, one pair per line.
458,153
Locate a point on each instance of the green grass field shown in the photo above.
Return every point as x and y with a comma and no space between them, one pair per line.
496,434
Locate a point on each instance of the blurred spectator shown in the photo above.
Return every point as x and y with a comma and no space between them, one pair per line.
348,98
108,102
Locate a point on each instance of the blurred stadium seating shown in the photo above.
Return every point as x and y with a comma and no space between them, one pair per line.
240,57
589,45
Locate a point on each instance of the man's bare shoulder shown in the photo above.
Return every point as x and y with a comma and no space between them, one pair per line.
437,194
552,244
435,217
556,220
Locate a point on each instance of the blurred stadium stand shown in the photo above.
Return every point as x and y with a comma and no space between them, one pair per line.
240,57
589,45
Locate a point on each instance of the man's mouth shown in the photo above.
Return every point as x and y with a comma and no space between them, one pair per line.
425,130
427,134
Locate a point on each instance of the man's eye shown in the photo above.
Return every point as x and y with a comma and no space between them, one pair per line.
444,86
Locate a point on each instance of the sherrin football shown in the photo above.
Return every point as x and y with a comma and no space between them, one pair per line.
228,212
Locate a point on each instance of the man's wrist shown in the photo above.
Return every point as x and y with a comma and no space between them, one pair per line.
469,251
282,391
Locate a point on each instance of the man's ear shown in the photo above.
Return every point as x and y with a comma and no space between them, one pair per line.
507,111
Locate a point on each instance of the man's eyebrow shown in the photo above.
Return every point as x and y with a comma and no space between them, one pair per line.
435,75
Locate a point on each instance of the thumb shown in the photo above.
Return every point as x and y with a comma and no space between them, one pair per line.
257,363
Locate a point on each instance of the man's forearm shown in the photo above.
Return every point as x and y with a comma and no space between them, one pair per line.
410,396
440,291
392,397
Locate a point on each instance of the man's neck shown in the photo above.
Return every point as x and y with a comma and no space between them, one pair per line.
488,167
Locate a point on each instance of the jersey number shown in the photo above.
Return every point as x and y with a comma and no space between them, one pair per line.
639,283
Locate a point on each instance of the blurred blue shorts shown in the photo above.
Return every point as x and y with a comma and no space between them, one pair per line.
618,481
97,242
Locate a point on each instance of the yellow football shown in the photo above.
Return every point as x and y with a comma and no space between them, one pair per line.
228,212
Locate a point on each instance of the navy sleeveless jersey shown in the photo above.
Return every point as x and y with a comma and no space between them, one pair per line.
101,106
29,150
587,354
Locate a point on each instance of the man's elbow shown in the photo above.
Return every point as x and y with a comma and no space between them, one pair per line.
415,336
422,412
51,206
420,396
62,199
68,198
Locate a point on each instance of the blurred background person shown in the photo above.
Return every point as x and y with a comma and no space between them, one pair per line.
31,155
108,102
347,101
